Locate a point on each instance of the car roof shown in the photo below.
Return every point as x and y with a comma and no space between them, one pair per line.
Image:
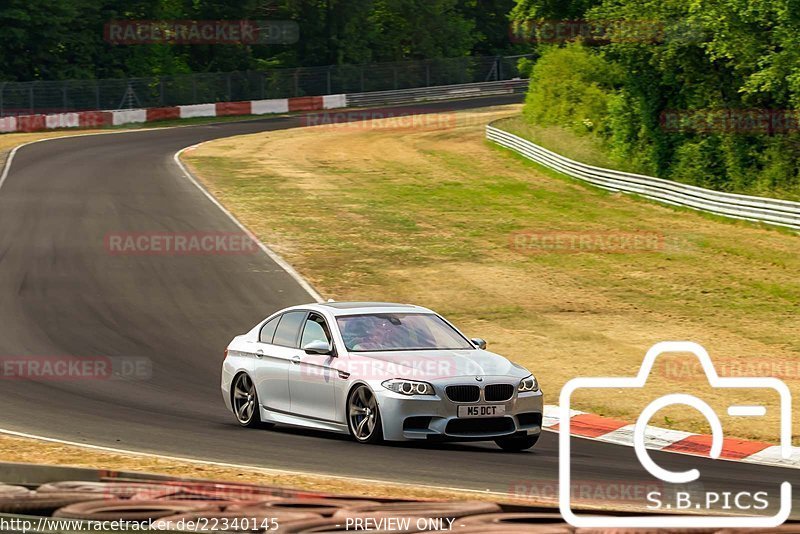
355,308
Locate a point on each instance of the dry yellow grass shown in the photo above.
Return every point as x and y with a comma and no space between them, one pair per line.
424,215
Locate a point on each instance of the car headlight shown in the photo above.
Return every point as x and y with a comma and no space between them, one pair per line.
408,387
528,384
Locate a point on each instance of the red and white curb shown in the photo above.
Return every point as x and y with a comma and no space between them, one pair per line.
609,430
99,119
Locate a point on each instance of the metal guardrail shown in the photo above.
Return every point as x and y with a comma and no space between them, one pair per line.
62,96
444,92
757,209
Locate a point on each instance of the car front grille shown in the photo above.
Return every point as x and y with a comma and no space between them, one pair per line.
477,427
498,392
463,393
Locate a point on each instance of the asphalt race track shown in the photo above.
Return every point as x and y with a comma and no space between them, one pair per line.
63,294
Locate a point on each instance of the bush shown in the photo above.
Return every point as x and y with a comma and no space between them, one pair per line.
572,87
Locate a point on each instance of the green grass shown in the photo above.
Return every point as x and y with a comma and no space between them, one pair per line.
427,217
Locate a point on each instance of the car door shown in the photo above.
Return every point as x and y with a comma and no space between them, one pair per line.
276,347
312,379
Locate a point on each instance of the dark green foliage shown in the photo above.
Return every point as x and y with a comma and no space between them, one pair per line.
707,55
55,40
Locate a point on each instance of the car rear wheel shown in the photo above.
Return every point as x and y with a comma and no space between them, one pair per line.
515,444
245,402
363,416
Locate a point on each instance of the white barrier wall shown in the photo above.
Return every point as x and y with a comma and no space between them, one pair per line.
334,101
128,116
198,110
8,124
62,120
263,107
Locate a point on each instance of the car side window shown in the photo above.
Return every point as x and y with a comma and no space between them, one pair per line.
315,330
268,330
288,331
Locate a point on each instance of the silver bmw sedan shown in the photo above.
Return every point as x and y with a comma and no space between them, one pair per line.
379,371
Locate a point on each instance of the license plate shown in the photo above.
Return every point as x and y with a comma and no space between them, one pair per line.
493,410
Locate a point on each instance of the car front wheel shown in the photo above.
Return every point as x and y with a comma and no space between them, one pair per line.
515,444
363,416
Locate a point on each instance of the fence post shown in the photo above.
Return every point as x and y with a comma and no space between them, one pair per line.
2,89
361,77
97,95
427,73
30,98
64,98
329,91
394,75
228,86
161,91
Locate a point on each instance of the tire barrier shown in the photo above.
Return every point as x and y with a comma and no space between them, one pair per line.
179,505
127,510
231,521
40,504
322,507
100,490
432,509
511,520
654,531
13,491
332,524
213,491
521,529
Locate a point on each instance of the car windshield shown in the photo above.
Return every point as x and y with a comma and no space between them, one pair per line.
399,331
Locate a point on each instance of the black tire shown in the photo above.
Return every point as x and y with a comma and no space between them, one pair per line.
243,394
517,444
365,426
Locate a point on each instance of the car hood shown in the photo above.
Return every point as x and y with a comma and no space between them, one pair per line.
433,364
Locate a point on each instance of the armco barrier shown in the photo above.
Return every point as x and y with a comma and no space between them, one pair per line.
96,119
444,92
758,209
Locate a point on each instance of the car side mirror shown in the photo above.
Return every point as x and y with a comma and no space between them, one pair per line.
318,347
478,342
